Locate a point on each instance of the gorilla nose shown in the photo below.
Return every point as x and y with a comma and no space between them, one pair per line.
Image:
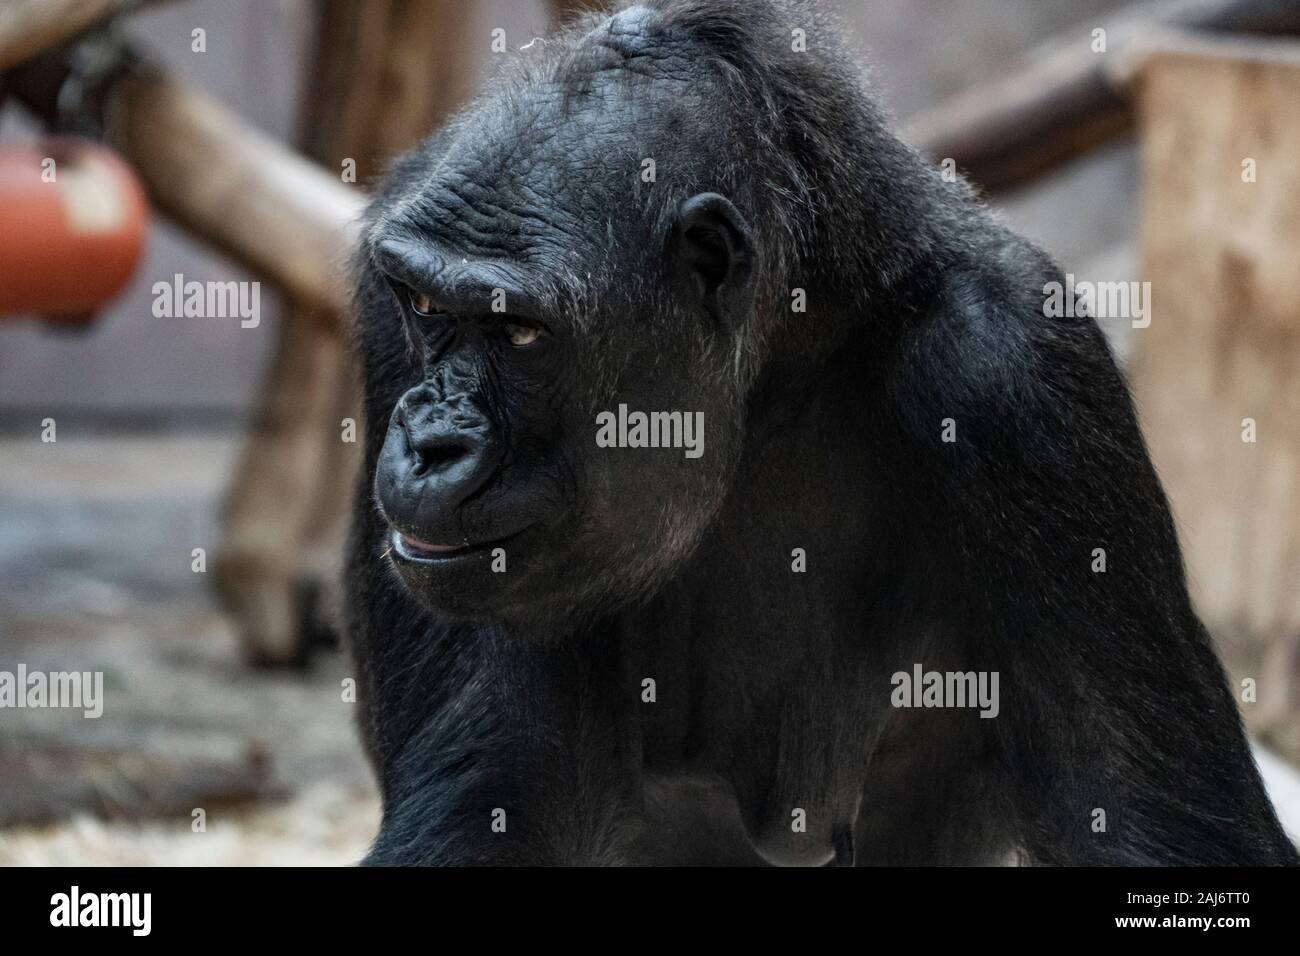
433,459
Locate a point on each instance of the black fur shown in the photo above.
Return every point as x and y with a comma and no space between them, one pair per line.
523,691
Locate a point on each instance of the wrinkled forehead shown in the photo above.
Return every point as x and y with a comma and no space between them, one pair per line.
553,162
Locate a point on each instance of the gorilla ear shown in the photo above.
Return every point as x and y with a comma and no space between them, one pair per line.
717,251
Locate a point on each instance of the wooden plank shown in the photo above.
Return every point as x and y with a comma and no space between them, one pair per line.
1223,347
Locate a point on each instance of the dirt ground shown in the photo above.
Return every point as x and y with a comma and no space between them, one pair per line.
96,534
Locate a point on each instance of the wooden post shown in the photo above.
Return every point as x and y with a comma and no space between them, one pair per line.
384,74
1217,373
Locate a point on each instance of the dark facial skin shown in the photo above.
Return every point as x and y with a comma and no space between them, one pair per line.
516,343
651,678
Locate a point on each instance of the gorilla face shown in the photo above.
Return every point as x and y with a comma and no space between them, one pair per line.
529,287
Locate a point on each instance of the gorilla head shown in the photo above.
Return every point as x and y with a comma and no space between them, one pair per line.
582,238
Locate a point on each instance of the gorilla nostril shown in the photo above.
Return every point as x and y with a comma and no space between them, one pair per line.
440,456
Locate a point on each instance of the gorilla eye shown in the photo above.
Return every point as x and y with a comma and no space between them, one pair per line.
522,336
421,304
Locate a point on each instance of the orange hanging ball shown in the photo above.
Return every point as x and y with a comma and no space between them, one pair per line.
73,219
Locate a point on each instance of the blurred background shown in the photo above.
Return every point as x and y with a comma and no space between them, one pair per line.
173,488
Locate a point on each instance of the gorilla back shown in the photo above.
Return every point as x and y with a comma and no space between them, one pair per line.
581,642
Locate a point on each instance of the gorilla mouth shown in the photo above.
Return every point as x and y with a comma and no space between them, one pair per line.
410,548
416,546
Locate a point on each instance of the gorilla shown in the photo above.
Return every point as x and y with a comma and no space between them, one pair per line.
703,417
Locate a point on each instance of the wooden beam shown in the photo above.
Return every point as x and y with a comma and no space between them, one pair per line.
1065,99
247,194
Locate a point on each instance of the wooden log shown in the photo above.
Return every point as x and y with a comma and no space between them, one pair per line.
1064,99
268,208
1217,372
27,27
40,786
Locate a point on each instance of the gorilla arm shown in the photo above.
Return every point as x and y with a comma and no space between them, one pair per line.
1113,698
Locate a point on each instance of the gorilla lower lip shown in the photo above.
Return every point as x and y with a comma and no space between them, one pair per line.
410,548
415,546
